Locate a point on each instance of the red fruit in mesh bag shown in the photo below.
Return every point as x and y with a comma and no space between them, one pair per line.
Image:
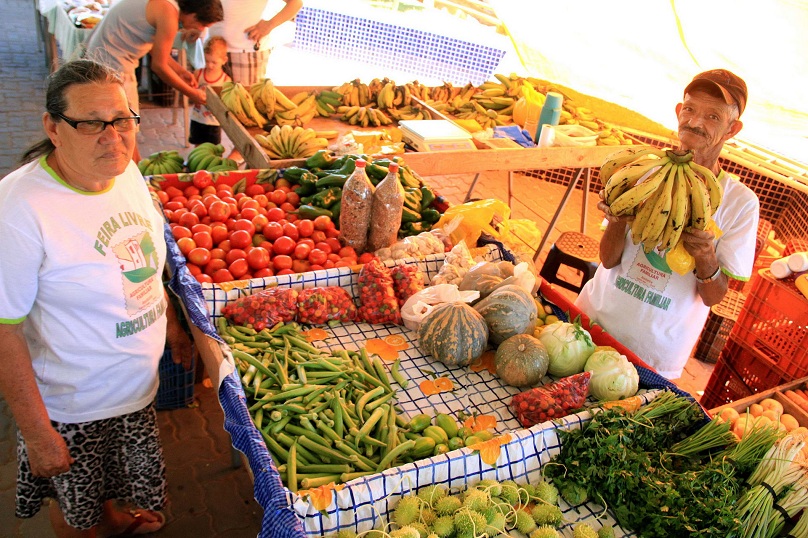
323,304
263,309
377,297
407,281
551,401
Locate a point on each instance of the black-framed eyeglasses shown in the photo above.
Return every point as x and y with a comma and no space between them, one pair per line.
91,127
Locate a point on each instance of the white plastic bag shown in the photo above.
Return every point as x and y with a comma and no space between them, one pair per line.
416,308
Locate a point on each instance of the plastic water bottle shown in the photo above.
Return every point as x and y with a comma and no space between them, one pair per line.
550,112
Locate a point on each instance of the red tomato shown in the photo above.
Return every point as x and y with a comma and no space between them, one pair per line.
306,241
365,257
265,245
258,239
332,232
162,196
254,190
247,202
284,245
263,273
240,238
222,275
290,230
262,199
204,240
272,231
210,189
302,251
285,272
281,261
347,252
197,207
180,231
190,191
173,192
288,208
315,267
275,214
301,266
202,278
219,211
214,265
193,269
238,268
188,219
293,198
219,232
334,244
318,236
305,227
317,256
333,257
234,254
258,258
186,245
259,221
201,228
328,264
343,262
282,182
277,197
169,215
322,245
225,245
181,199
199,256
173,206
202,179
249,213
217,253
323,222
244,224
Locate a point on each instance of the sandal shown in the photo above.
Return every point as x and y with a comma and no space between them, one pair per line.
135,528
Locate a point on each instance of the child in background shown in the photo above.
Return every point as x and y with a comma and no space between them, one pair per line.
204,125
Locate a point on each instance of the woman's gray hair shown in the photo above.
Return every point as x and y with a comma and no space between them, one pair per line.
69,74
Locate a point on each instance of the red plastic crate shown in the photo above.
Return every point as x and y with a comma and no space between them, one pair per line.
718,326
774,323
738,373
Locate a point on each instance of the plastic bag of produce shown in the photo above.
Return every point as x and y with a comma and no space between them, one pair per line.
419,305
263,309
320,305
552,401
377,296
467,221
407,281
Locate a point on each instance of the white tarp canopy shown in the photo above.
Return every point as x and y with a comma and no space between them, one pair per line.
642,53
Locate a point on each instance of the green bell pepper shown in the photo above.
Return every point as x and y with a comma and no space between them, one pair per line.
322,159
311,212
327,198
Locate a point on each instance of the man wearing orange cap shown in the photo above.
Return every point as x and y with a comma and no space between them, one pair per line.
655,312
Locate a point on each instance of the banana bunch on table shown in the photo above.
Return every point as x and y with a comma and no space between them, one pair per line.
287,142
240,103
665,191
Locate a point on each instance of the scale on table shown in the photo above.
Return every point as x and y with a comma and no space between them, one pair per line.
435,135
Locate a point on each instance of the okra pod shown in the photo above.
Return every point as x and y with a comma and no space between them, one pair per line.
303,432
382,373
401,449
309,483
368,396
396,375
323,450
347,477
326,468
291,468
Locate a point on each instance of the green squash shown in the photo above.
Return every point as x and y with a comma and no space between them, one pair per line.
453,333
508,311
521,360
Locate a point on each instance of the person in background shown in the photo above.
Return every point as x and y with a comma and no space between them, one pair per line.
247,35
133,28
84,317
655,312
204,126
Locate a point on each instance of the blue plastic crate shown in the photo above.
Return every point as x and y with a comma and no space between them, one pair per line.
386,45
176,388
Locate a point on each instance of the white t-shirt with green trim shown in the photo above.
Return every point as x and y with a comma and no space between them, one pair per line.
84,271
657,313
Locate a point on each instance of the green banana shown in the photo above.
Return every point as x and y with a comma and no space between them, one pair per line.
714,189
680,205
699,200
628,176
653,231
624,157
639,192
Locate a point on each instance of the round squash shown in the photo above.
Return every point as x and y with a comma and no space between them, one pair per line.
508,311
521,360
453,333
482,282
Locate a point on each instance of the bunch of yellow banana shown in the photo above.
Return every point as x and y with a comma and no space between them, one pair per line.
326,102
486,117
665,191
239,102
287,142
409,112
386,96
264,95
354,93
297,110
611,136
578,115
363,116
418,90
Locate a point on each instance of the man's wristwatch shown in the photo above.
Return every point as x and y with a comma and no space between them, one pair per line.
710,278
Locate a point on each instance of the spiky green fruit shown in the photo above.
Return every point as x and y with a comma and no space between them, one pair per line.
524,522
476,499
546,492
496,525
606,531
583,530
469,523
545,531
530,489
448,505
422,529
493,487
443,526
498,504
375,533
427,516
545,514
510,492
432,494
345,533
573,493
405,532
407,510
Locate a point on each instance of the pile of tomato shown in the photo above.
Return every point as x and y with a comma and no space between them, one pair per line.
227,236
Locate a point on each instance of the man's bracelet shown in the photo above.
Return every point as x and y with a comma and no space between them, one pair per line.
710,278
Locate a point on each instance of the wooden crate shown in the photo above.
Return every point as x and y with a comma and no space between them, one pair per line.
776,393
425,163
